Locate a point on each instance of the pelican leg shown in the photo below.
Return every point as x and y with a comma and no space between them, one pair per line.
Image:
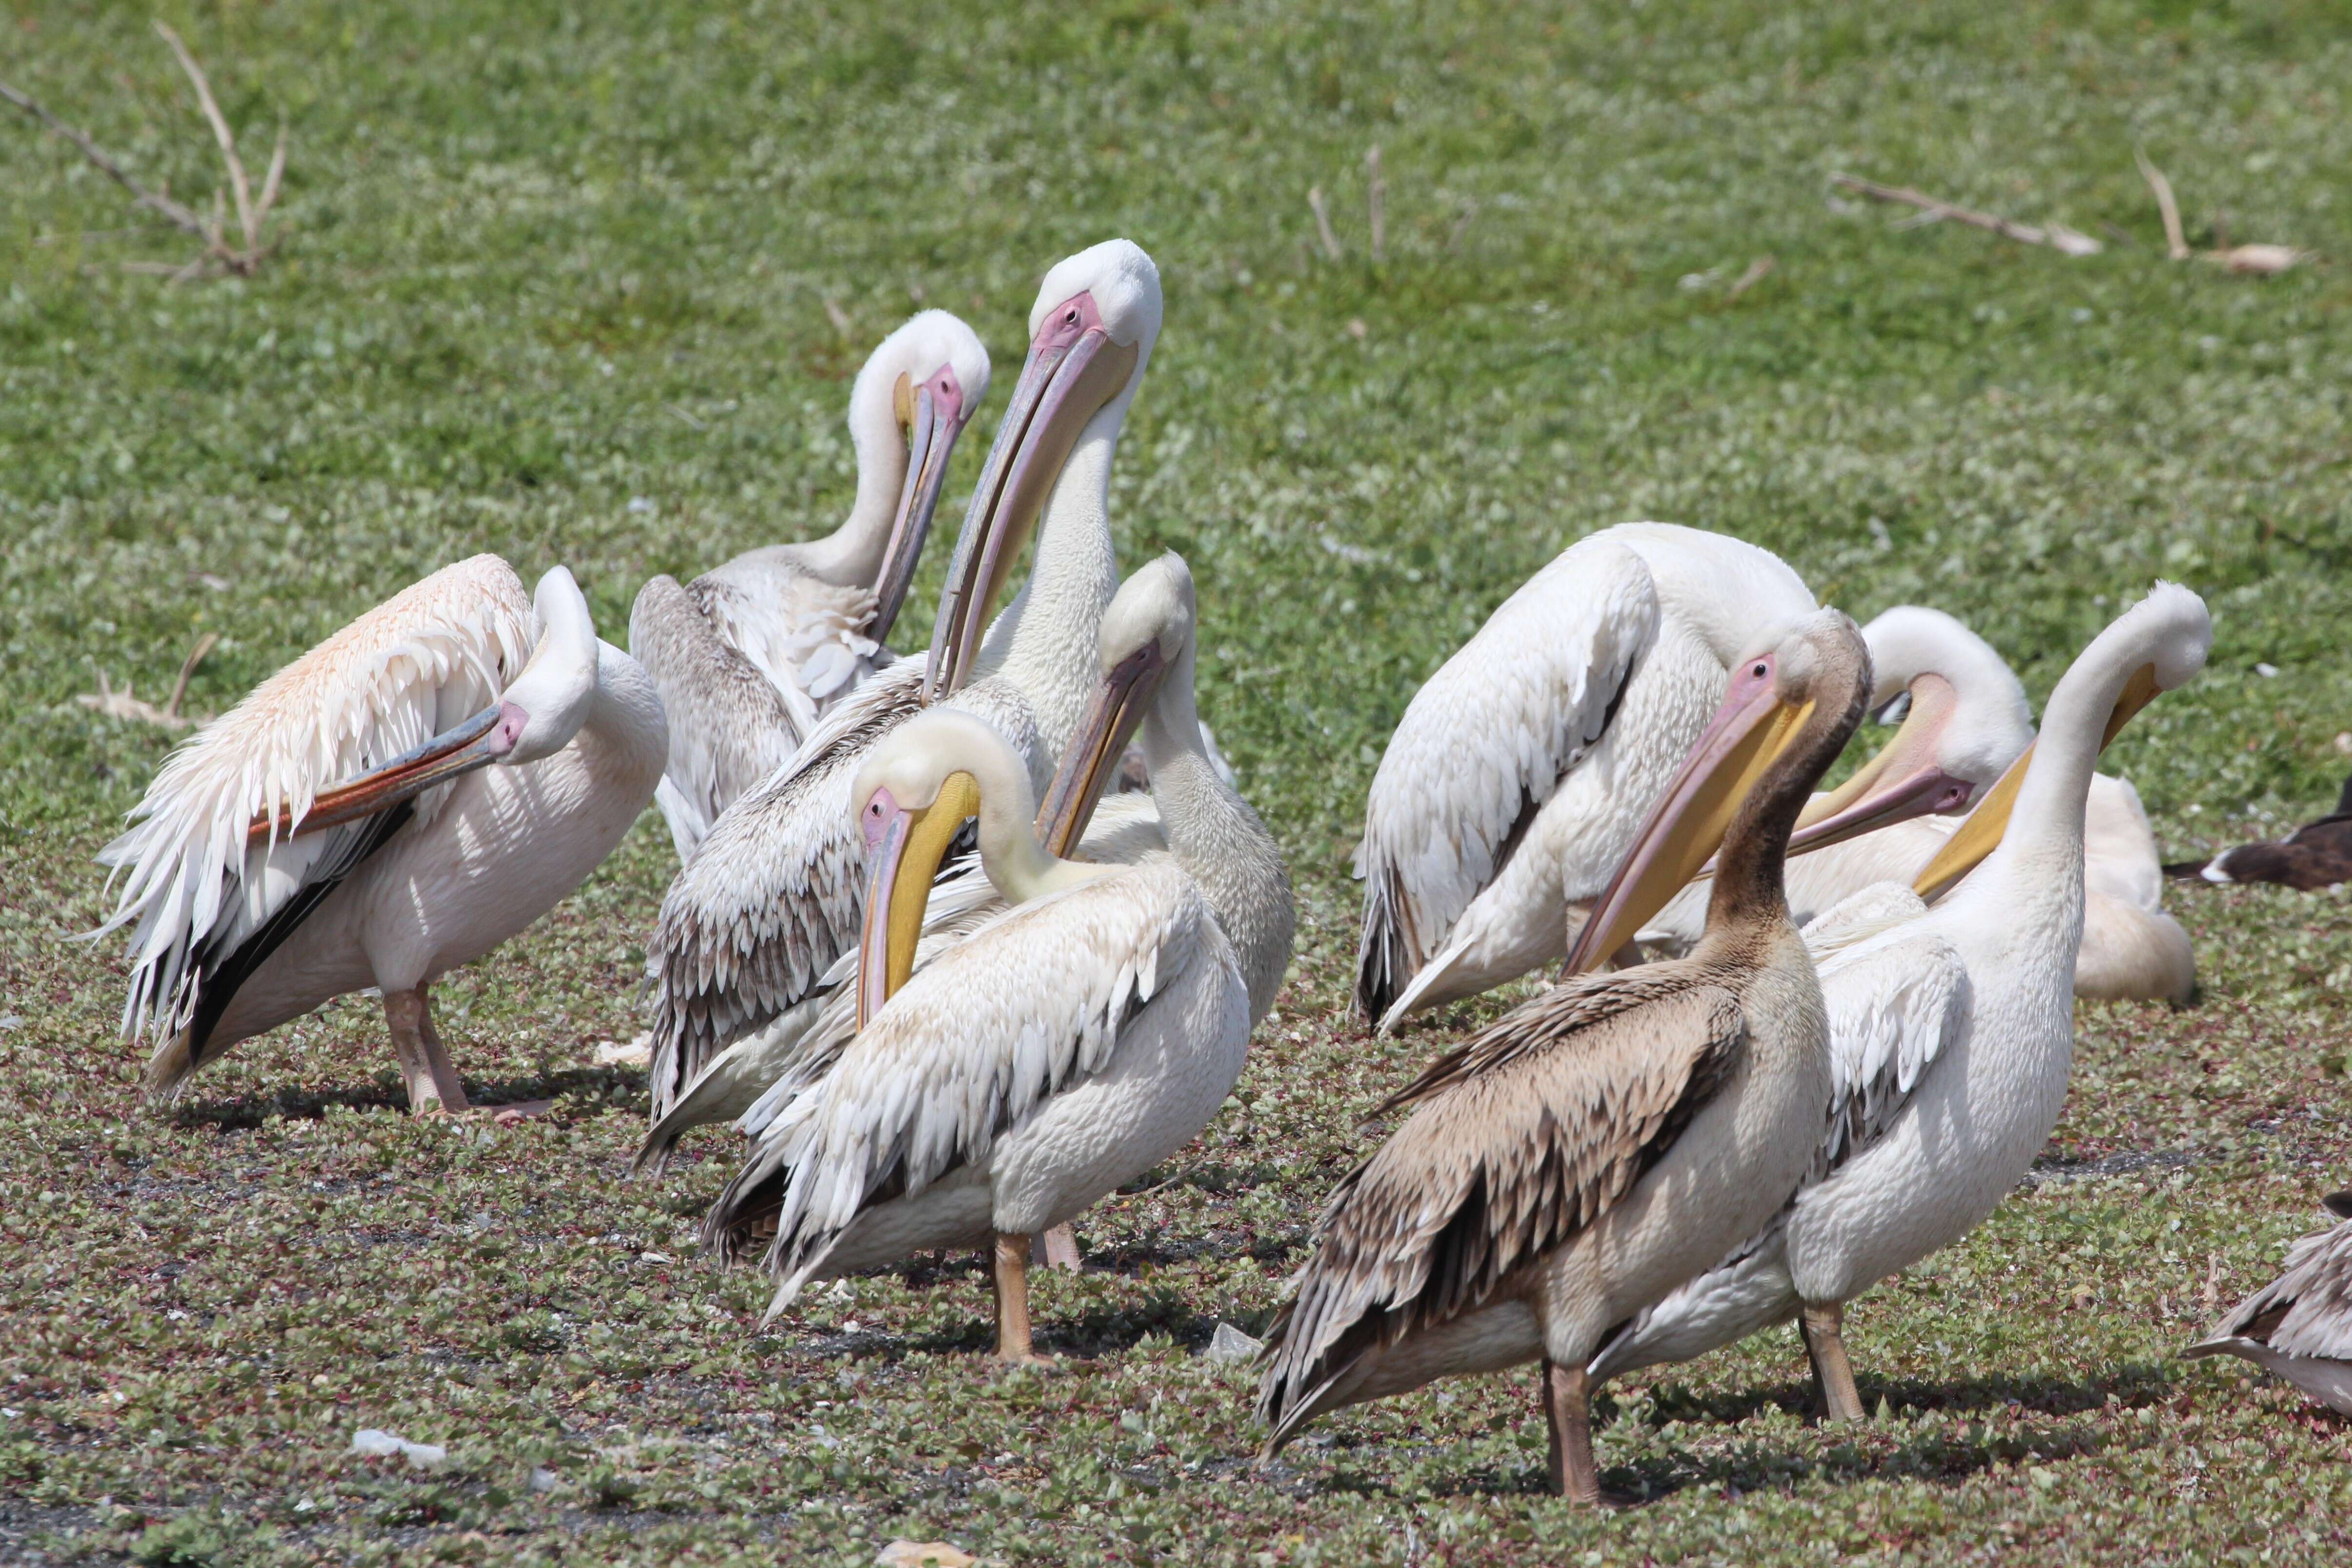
1061,1245
1011,1278
425,1065
1568,1412
1823,1327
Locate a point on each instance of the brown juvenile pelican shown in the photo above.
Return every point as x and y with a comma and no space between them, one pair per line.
1611,1138
2300,1325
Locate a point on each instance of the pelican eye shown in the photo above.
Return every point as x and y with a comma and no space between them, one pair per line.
1761,671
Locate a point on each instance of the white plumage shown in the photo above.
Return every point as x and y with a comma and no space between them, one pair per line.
231,938
1521,771
750,655
1952,1035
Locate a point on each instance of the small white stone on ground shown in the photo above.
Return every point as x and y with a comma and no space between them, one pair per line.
376,1443
1229,1344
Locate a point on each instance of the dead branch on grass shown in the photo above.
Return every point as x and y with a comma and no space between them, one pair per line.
123,705
1934,209
2253,261
1323,221
252,212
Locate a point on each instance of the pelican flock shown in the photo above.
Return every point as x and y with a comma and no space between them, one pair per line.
951,989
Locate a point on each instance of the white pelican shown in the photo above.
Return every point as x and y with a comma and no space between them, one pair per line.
1965,708
1146,662
1951,1032
262,887
2300,1325
1060,1051
1516,779
1607,1140
749,655
752,924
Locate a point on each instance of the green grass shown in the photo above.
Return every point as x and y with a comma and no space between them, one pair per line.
534,265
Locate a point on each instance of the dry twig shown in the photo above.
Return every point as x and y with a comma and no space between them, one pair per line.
123,705
2057,236
252,213
2255,260
1377,199
1323,221
1757,270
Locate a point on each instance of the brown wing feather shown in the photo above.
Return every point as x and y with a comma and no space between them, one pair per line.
1523,1138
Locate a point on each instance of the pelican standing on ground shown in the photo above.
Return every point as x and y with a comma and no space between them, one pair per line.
1951,1032
1148,662
1966,720
749,655
1055,1053
1516,778
1607,1140
2300,1325
341,828
752,924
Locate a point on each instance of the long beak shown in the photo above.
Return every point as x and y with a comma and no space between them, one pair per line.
479,742
1751,729
1901,781
1980,835
1063,386
905,862
1120,702
935,418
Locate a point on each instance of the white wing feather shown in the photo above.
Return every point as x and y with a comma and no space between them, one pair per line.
1486,741
420,663
1897,997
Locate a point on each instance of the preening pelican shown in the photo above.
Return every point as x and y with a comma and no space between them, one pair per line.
1607,1140
1951,1031
1516,778
1966,719
2300,1325
341,828
1060,1051
1193,815
749,655
753,921
2315,857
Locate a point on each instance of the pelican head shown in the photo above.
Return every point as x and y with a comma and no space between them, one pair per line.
1963,720
537,715
2157,646
914,792
1090,337
1146,631
1818,661
926,379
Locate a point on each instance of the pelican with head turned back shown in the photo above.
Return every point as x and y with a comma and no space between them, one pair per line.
1521,769
1193,815
750,655
1951,1031
1057,1052
751,925
339,829
1603,1141
1964,716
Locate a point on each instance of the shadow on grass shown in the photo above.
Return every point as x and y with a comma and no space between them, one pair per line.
1103,1330
1884,1451
302,1102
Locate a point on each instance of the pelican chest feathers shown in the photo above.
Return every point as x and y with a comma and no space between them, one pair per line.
1608,1140
2300,1325
1520,772
1057,1052
753,921
1192,817
750,655
342,827
1951,1032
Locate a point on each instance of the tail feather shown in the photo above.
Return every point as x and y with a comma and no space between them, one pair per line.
1390,950
169,1069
